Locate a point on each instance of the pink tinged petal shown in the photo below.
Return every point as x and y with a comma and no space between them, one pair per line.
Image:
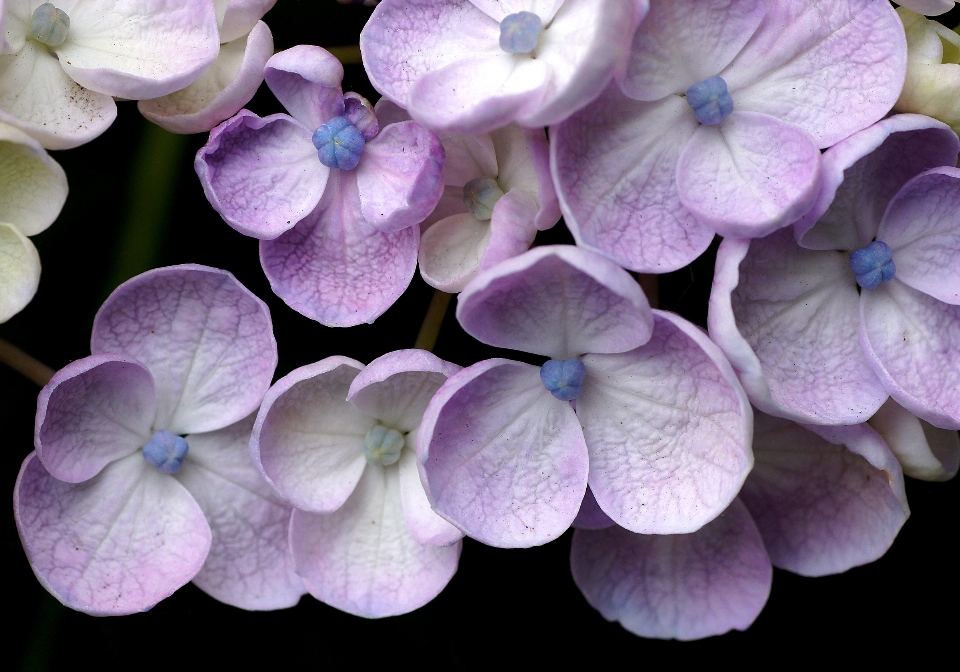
93,411
467,157
396,388
250,564
362,559
862,173
139,48
615,166
676,586
37,96
262,175
19,271
220,91
830,68
116,544
684,42
591,516
924,451
334,267
451,250
500,457
241,16
400,176
306,81
787,319
205,338
426,527
821,508
748,176
512,228
922,228
928,7
668,428
558,301
308,439
34,186
912,342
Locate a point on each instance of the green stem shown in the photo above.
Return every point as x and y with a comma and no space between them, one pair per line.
24,364
432,321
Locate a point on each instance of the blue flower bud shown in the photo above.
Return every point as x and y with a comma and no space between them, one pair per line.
480,196
339,144
564,378
873,264
520,32
166,451
710,100
382,445
49,25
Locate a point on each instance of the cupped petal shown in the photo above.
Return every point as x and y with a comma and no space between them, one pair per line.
93,411
19,271
116,544
750,175
308,439
668,430
362,559
220,91
139,49
250,564
423,523
912,342
241,16
924,451
513,228
928,7
38,96
523,157
684,42
558,301
206,339
262,175
922,228
396,387
306,80
862,173
829,67
614,165
334,267
787,319
676,586
500,457
451,250
820,507
400,176
33,187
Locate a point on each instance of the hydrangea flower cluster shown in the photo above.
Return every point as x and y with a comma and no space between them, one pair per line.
690,462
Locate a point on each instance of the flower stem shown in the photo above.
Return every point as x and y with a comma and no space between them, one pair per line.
347,55
432,321
23,363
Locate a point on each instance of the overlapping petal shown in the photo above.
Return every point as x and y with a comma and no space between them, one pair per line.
928,7
306,80
19,271
33,187
238,17
423,523
924,451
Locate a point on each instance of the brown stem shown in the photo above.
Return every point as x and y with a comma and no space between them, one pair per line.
23,363
650,286
430,329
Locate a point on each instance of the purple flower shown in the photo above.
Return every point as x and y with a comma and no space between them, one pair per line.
336,440
717,124
140,481
815,339
338,243
658,427
473,66
813,505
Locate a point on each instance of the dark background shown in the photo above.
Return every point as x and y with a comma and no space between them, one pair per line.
503,605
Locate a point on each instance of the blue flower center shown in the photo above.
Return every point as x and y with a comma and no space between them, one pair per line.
166,451
480,196
49,25
873,264
710,100
520,32
339,144
382,445
564,378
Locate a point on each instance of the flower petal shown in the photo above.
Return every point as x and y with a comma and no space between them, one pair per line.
500,457
306,80
116,544
451,250
19,271
678,586
523,155
928,7
362,559
424,525
308,439
591,516
924,451
205,338
241,16
558,301
668,430
34,186
512,228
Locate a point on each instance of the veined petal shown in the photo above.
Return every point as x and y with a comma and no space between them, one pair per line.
33,187
116,544
924,451
19,271
306,80
205,338
423,523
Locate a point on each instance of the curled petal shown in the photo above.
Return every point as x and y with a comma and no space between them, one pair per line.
924,451
451,250
928,7
34,186
306,81
240,16
523,156
19,271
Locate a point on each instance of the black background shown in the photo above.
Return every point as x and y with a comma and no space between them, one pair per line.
503,605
